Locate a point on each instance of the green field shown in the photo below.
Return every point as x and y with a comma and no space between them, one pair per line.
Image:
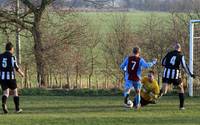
58,110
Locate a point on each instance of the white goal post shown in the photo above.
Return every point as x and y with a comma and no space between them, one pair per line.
191,55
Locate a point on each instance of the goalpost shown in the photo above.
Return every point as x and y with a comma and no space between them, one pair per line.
194,58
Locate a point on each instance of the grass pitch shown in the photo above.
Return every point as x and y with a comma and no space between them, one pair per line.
54,110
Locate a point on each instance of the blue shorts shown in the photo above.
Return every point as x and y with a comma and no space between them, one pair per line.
129,84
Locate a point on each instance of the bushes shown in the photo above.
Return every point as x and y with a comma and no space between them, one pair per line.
75,92
41,92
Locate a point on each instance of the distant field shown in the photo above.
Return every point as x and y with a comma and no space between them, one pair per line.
99,22
104,20
54,110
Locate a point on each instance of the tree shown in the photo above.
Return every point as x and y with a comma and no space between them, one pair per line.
61,46
156,39
118,45
93,41
33,25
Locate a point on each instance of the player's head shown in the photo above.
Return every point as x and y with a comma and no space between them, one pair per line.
136,51
177,47
151,75
10,47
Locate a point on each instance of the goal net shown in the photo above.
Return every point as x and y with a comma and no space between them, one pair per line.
194,84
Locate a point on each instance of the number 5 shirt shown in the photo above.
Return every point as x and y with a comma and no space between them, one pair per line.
7,66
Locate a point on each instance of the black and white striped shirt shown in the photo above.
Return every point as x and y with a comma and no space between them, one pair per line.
172,62
8,65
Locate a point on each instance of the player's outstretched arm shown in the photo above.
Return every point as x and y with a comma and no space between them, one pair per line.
148,64
20,72
186,68
156,89
164,61
17,68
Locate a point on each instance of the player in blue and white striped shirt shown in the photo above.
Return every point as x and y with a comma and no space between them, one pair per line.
172,63
8,65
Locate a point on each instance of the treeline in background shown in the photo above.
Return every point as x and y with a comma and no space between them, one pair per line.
63,48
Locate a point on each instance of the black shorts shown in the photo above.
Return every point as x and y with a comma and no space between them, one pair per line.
175,82
11,84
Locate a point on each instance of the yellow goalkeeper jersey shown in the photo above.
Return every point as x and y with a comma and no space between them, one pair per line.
149,91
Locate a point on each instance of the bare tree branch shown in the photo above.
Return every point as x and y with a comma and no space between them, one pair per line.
13,18
45,3
29,4
26,14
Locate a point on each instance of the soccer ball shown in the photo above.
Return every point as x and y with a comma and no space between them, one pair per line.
130,104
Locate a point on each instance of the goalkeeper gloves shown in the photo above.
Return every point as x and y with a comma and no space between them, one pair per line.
154,61
151,94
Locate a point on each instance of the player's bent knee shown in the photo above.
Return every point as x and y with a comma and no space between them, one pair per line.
165,88
15,92
137,91
127,90
180,86
6,92
6,95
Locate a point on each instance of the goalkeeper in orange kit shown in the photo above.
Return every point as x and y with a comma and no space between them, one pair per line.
150,89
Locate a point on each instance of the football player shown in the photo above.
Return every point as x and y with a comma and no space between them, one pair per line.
127,87
171,75
150,89
135,64
7,77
